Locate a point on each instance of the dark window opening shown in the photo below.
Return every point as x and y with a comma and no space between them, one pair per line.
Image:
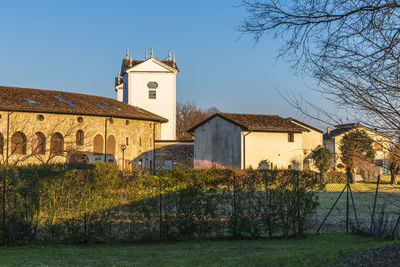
290,137
152,94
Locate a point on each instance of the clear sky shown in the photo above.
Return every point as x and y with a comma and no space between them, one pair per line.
77,46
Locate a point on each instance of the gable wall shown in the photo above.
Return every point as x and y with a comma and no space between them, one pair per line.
165,103
217,143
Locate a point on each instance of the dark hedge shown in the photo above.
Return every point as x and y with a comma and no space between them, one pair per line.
97,203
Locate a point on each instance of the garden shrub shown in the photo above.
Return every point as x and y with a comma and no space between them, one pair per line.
97,203
335,178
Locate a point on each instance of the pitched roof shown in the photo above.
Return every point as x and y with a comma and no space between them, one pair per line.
305,125
127,64
47,101
343,128
257,122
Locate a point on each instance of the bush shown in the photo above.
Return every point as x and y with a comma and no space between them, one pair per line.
98,203
335,178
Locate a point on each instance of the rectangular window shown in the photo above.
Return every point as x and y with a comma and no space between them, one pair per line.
152,94
290,137
150,142
140,141
127,141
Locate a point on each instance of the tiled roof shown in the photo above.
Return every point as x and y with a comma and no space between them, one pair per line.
343,128
305,125
47,101
258,122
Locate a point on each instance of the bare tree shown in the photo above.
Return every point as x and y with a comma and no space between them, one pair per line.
350,47
189,114
25,143
394,164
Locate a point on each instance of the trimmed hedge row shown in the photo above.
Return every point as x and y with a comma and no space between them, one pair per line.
98,203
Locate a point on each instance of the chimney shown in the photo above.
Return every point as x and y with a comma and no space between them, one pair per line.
328,130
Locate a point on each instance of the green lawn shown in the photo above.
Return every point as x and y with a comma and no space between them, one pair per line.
311,251
363,194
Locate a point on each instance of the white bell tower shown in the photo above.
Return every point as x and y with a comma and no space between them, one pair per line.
151,85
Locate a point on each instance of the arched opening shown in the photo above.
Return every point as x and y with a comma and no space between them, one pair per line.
1,144
98,144
18,143
38,143
80,138
56,144
110,145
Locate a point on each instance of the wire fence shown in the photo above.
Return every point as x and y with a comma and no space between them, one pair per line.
370,207
63,204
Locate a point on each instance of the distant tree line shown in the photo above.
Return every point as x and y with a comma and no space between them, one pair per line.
188,114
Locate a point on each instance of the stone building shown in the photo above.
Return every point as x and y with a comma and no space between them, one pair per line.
43,126
233,140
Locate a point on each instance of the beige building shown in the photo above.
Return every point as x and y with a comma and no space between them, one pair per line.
231,140
332,140
43,126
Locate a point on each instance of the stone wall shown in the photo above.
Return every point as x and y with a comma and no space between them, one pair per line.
174,153
137,135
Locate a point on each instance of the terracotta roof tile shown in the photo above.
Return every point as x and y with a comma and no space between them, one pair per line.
47,101
258,122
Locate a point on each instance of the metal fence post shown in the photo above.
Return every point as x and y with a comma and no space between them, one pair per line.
4,208
354,208
160,204
330,211
234,206
300,227
395,227
374,208
347,208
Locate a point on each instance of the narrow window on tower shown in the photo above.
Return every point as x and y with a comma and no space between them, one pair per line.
152,94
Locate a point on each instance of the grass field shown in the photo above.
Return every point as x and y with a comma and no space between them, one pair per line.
363,195
311,251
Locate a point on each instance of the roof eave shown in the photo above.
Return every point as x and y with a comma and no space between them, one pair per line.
161,119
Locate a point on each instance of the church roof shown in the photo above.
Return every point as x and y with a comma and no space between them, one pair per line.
48,101
257,122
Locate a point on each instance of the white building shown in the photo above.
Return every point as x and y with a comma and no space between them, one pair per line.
232,140
151,85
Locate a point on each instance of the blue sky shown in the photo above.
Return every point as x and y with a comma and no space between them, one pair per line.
78,46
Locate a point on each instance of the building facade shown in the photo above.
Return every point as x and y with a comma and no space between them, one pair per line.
151,85
43,126
241,141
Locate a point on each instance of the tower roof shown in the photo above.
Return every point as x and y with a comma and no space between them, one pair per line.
127,64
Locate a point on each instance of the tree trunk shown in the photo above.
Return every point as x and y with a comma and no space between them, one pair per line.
351,175
393,178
